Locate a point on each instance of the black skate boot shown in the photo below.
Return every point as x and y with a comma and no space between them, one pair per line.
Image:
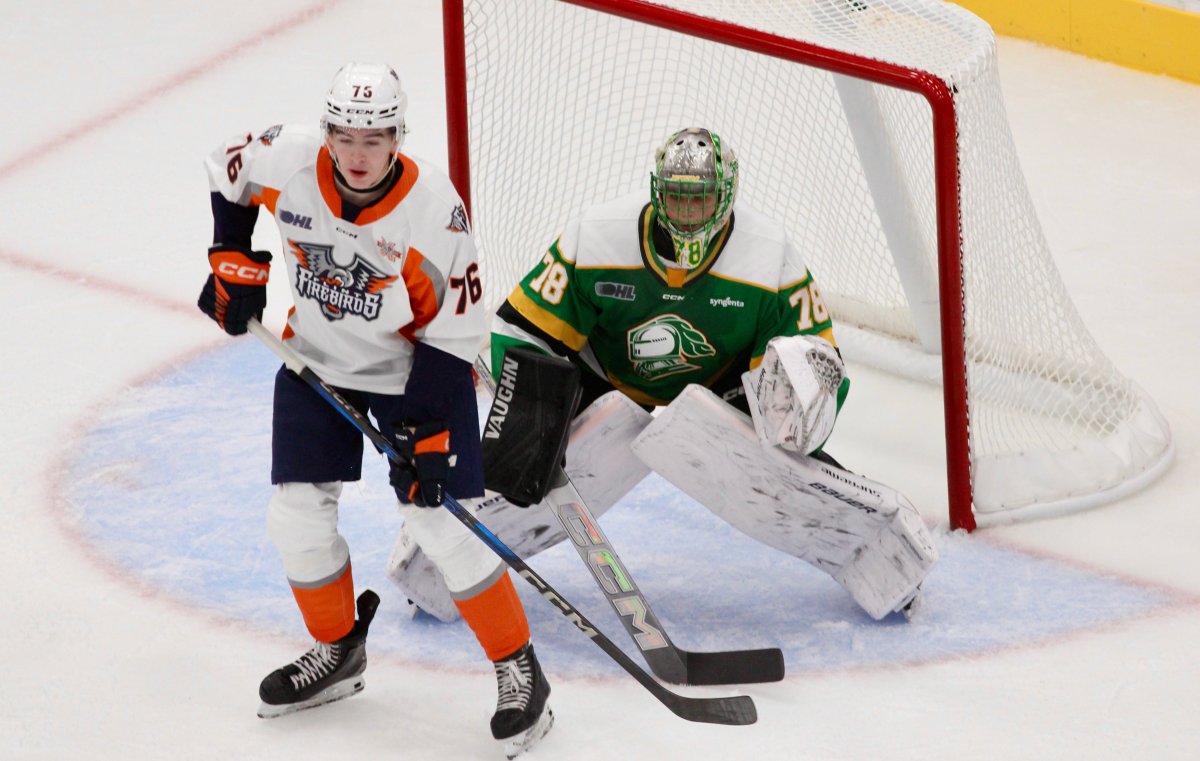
330,671
522,716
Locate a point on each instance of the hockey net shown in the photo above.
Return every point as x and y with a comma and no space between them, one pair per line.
876,131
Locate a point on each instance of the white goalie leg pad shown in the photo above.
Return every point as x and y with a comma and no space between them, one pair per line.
302,524
601,466
864,534
793,393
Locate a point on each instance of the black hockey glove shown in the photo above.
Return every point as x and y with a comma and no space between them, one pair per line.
237,288
425,451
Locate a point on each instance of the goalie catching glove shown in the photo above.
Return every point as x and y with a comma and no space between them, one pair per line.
793,394
237,288
425,452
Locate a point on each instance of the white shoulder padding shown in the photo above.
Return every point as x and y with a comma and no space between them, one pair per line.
792,394
601,466
864,534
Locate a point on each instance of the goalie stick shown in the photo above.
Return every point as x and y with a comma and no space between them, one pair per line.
737,710
668,662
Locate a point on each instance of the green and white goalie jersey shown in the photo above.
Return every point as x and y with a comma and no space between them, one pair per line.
601,292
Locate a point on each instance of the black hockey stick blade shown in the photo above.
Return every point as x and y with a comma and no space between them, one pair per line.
736,710
733,666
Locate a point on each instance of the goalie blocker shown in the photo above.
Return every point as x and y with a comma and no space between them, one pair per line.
525,434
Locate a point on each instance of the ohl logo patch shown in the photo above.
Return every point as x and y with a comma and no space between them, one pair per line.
299,220
340,289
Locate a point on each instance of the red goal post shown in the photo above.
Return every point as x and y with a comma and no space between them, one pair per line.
525,76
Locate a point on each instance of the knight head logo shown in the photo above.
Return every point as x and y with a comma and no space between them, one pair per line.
662,347
340,289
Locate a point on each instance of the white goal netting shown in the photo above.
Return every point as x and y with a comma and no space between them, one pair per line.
566,105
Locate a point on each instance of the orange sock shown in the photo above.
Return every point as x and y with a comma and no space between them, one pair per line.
497,618
328,610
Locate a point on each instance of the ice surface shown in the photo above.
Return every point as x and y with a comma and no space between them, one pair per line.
144,603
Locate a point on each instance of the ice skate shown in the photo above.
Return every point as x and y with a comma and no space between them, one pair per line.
329,671
522,715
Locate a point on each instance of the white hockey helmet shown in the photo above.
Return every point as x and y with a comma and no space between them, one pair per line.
694,163
366,96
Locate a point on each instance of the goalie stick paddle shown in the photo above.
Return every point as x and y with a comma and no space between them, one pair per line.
736,710
668,662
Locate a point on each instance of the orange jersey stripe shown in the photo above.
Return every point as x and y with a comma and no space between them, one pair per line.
421,294
377,210
269,197
325,182
497,618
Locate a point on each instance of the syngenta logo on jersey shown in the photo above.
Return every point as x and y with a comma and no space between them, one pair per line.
299,220
504,394
726,302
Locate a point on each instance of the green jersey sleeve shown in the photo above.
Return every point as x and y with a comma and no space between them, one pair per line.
548,305
796,309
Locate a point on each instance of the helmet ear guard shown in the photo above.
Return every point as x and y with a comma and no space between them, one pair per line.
693,164
366,96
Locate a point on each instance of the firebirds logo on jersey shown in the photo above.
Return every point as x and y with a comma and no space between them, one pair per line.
340,289
269,136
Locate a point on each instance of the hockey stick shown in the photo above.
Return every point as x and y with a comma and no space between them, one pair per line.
734,710
668,662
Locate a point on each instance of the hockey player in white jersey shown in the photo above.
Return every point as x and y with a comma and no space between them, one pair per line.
386,286
684,299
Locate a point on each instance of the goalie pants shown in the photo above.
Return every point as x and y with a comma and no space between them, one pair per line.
314,450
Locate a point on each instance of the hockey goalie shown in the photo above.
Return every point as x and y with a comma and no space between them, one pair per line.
701,307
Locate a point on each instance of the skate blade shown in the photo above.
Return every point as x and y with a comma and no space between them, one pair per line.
342,689
518,744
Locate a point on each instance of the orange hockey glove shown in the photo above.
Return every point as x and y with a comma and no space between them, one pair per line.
237,288
425,449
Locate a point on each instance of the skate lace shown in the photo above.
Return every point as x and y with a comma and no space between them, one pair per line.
315,664
513,679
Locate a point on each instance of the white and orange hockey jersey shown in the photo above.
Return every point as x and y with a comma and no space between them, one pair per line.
365,291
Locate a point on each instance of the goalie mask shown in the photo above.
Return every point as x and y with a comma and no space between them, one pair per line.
692,189
366,96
